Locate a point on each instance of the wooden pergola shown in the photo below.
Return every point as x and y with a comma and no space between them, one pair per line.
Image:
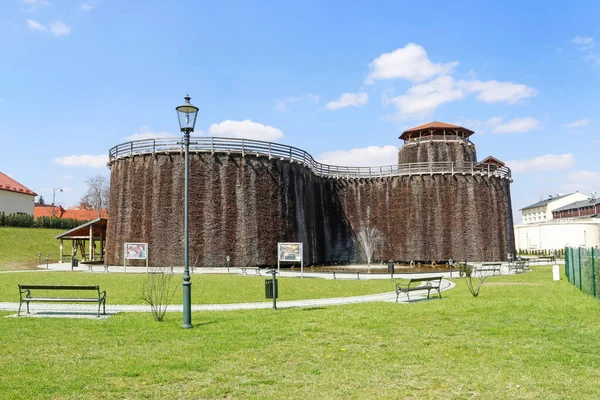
89,232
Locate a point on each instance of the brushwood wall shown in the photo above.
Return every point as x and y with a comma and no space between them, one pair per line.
242,206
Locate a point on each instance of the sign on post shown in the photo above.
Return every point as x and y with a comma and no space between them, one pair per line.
290,252
135,251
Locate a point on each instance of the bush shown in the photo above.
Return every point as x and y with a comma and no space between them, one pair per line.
27,221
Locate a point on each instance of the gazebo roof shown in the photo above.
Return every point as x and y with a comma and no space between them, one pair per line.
434,126
83,231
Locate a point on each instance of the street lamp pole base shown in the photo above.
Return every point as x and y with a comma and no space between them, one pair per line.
187,302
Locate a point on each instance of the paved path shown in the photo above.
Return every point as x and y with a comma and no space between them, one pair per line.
111,309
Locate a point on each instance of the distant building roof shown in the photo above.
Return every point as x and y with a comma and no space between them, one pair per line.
579,204
492,160
546,201
8,183
45,210
434,126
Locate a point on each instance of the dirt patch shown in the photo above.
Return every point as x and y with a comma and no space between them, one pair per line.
512,284
18,265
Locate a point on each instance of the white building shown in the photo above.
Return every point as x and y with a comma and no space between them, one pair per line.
14,197
544,229
542,210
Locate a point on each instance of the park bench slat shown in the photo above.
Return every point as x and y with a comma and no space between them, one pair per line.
59,287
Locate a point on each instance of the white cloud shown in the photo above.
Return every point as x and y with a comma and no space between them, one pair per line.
543,163
583,42
497,92
245,130
36,26
347,100
281,104
87,5
84,160
361,157
146,133
59,28
35,4
515,125
421,100
577,124
583,181
493,121
409,62
472,124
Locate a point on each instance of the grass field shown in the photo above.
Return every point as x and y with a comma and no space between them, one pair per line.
524,337
206,289
19,247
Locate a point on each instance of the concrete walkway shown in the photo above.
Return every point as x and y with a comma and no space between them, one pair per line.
362,274
66,309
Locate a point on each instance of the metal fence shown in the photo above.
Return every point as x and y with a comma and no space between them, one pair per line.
582,268
247,147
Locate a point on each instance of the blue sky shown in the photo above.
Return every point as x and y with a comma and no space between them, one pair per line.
339,79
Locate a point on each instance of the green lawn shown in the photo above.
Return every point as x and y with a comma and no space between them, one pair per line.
524,337
127,288
19,247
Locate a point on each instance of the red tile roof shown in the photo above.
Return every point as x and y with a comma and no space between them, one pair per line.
434,125
45,210
8,183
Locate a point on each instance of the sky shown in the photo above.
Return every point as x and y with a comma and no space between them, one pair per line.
339,79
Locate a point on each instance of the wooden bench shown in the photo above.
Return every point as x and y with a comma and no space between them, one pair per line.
245,270
424,283
490,267
26,297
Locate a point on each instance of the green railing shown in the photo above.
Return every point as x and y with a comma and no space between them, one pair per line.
582,268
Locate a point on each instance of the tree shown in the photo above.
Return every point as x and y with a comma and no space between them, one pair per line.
96,197
158,291
41,200
474,287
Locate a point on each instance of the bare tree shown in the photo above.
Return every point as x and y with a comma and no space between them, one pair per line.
159,289
479,280
96,197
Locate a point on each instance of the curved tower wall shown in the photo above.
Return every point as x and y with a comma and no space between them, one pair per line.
242,206
437,150
239,206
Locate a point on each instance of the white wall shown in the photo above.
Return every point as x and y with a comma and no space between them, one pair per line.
13,202
557,234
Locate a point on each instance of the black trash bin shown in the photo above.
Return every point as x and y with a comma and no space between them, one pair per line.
74,262
269,289
390,267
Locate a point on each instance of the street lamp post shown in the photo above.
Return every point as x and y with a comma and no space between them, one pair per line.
186,113
54,197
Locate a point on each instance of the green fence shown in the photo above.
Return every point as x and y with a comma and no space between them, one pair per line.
582,268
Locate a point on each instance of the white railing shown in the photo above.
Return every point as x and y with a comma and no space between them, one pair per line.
247,147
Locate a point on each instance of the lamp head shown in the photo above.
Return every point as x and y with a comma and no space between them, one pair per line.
186,114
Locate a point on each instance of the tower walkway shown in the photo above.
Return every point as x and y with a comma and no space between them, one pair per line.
257,148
